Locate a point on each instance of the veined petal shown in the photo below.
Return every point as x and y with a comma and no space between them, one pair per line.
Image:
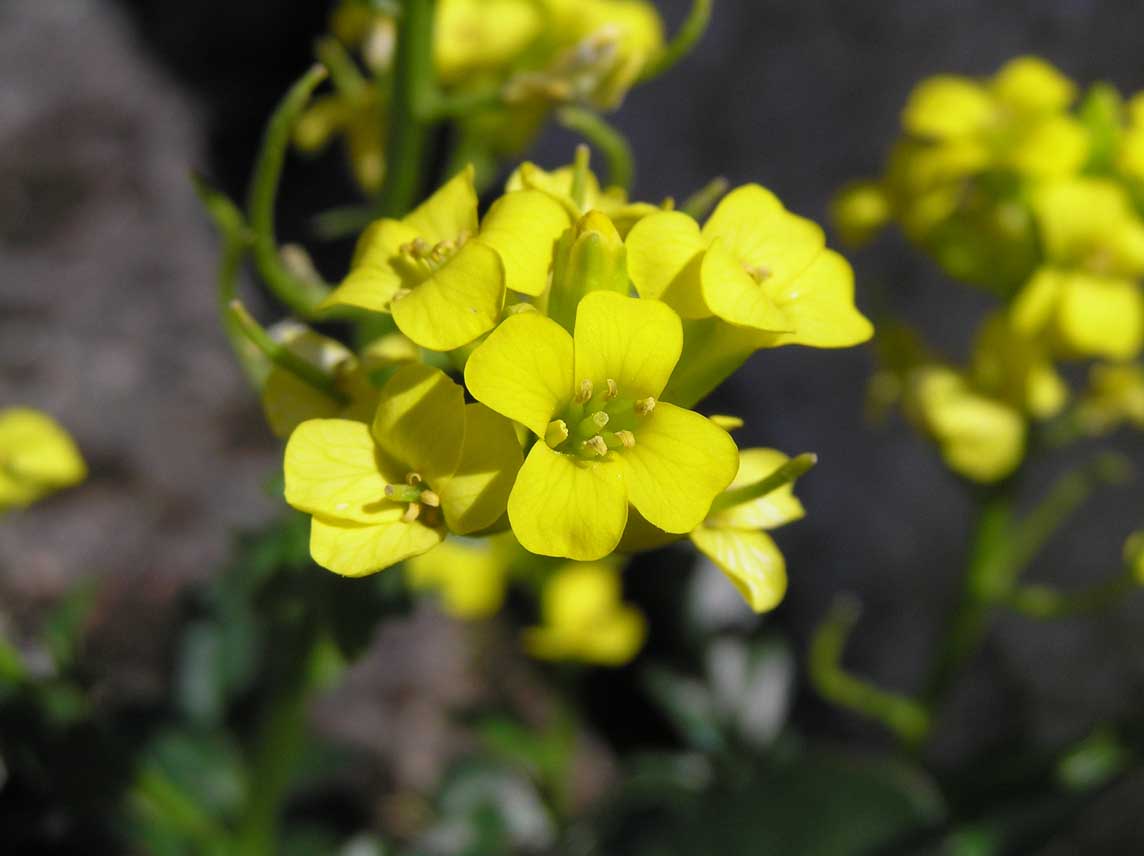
523,227
476,495
450,212
750,559
456,304
665,251
354,550
523,370
820,305
767,512
734,295
680,462
334,468
566,506
634,342
420,421
372,280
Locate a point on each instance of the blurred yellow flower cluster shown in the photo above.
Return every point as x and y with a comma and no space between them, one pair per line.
506,62
1014,184
37,458
577,324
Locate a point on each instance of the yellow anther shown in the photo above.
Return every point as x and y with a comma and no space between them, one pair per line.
429,498
584,394
412,479
613,390
412,512
556,433
627,438
597,445
599,419
645,406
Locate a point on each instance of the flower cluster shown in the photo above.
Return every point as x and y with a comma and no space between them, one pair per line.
535,391
500,66
1013,184
37,458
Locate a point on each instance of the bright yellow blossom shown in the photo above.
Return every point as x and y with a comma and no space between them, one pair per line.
477,36
753,264
735,538
382,493
604,440
37,457
1016,369
442,278
612,201
469,576
1089,224
585,619
980,437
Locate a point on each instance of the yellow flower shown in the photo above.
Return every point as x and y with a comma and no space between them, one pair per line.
1030,85
477,36
443,281
753,264
1089,223
948,107
612,201
735,538
584,618
358,117
37,457
859,211
1082,314
469,576
980,437
1115,395
604,439
382,493
1016,369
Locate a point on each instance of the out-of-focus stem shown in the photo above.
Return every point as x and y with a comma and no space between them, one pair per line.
689,33
612,144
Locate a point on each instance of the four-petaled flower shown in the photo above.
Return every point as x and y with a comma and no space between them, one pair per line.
604,440
382,493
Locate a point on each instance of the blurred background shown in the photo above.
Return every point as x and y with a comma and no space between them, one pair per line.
107,321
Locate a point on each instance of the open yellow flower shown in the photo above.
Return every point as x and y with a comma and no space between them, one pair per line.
37,457
443,281
585,619
753,264
980,437
604,439
382,493
735,538
478,36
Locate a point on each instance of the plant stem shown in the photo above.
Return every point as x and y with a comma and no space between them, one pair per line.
689,33
414,91
612,144
785,474
700,203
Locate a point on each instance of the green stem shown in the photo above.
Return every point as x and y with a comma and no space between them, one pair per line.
344,73
613,145
903,715
689,33
414,91
1045,602
281,355
580,174
700,203
785,474
301,295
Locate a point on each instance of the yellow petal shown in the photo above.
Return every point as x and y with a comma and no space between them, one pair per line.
469,576
859,211
611,641
355,550
420,421
1029,84
680,462
665,251
456,304
523,370
523,227
735,296
1055,147
566,506
1033,309
767,512
372,280
36,456
450,212
820,306
476,495
634,342
1101,317
750,559
947,106
333,468
471,36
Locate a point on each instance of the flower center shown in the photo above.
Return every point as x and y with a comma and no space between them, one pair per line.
598,421
418,260
421,502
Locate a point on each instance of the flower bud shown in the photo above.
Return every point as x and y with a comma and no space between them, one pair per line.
589,256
